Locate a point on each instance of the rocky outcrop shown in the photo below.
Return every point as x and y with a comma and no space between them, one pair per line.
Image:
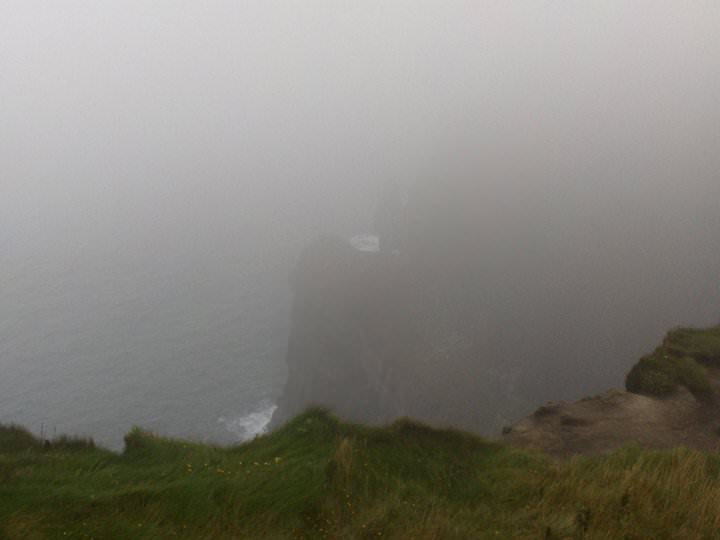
604,423
470,318
335,355
377,335
675,401
373,340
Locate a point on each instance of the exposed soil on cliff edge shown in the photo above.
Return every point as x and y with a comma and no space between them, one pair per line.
600,424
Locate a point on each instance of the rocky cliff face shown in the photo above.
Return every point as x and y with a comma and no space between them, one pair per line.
335,355
476,314
373,341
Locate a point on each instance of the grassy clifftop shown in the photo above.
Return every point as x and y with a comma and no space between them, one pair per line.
683,359
320,478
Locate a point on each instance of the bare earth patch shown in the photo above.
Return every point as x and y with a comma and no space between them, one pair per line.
601,424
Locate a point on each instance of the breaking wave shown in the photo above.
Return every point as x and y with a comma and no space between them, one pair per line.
250,425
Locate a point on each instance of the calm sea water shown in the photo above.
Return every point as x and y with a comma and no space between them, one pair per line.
188,344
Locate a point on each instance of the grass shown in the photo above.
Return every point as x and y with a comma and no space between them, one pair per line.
700,344
659,374
682,359
320,478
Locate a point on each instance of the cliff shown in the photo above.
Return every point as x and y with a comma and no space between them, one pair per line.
336,355
673,399
471,316
373,338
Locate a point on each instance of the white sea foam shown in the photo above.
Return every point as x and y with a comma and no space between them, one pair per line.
250,425
365,242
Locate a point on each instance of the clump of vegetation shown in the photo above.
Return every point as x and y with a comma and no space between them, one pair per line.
16,439
659,374
681,360
701,344
320,478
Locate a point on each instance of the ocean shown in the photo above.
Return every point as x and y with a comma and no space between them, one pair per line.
177,324
92,344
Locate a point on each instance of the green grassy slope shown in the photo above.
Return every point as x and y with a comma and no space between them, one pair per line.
682,359
320,478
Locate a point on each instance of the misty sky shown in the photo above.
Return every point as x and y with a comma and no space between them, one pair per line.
165,112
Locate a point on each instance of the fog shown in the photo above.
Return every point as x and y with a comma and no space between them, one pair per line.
576,145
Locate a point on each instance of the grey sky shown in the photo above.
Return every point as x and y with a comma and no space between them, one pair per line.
109,105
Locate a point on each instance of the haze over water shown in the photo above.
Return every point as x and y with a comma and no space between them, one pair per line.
162,165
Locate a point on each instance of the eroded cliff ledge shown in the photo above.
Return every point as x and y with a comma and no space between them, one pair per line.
675,401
